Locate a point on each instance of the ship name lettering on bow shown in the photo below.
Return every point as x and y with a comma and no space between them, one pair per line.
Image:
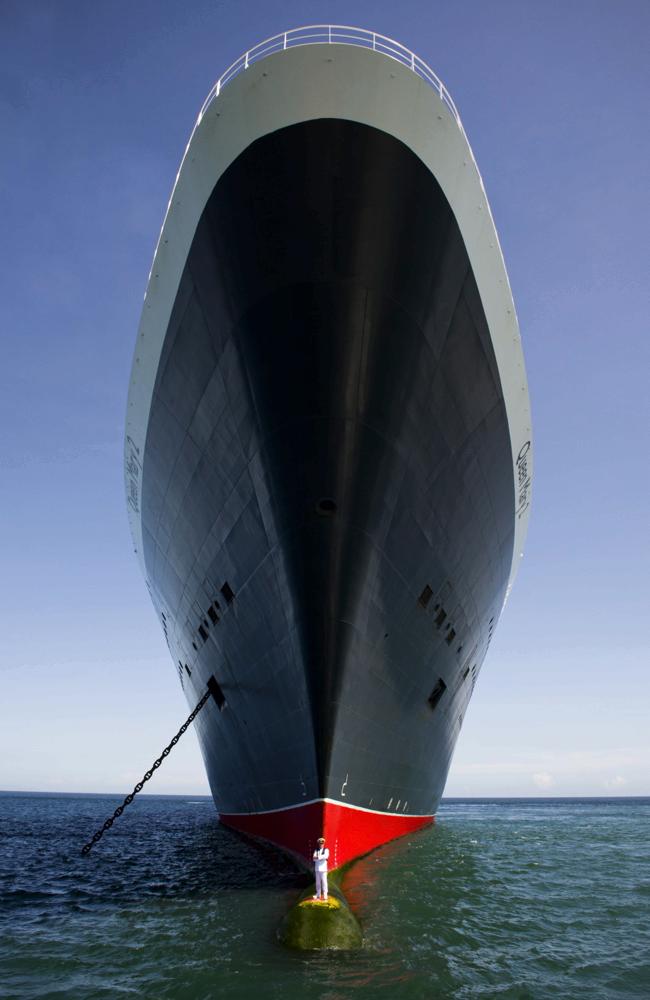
133,473
523,480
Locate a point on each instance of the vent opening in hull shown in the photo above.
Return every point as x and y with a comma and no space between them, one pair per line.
437,693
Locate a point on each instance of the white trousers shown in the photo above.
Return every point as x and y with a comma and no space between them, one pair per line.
321,884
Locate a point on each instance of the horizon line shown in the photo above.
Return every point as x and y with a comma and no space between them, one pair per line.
204,795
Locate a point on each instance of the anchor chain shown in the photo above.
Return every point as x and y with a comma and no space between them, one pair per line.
86,849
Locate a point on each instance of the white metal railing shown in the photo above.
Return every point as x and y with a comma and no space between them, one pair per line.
334,34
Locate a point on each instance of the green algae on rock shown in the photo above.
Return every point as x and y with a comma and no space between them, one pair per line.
314,924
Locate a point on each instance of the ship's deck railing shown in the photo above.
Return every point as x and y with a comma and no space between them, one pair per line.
334,34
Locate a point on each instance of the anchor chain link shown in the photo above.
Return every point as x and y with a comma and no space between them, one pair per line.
86,849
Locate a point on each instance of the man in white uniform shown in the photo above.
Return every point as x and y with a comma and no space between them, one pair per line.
321,854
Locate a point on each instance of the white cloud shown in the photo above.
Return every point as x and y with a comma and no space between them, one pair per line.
616,782
618,770
568,764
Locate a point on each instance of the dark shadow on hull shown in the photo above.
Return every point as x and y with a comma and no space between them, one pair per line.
328,346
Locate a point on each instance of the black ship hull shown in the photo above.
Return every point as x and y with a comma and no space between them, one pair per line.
327,503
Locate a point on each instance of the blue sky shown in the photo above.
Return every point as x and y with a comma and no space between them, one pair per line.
97,102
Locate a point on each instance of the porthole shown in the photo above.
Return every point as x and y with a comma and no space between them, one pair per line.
326,507
425,596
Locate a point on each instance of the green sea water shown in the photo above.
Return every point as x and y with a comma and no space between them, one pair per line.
509,899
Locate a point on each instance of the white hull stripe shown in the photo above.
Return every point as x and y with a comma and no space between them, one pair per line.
334,802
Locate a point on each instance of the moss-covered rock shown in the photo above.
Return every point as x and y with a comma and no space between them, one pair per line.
312,924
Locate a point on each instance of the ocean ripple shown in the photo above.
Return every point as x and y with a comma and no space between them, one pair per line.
516,899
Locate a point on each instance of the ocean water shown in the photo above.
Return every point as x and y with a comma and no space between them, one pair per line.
508,899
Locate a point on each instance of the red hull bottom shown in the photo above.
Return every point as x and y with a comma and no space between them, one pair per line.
348,831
